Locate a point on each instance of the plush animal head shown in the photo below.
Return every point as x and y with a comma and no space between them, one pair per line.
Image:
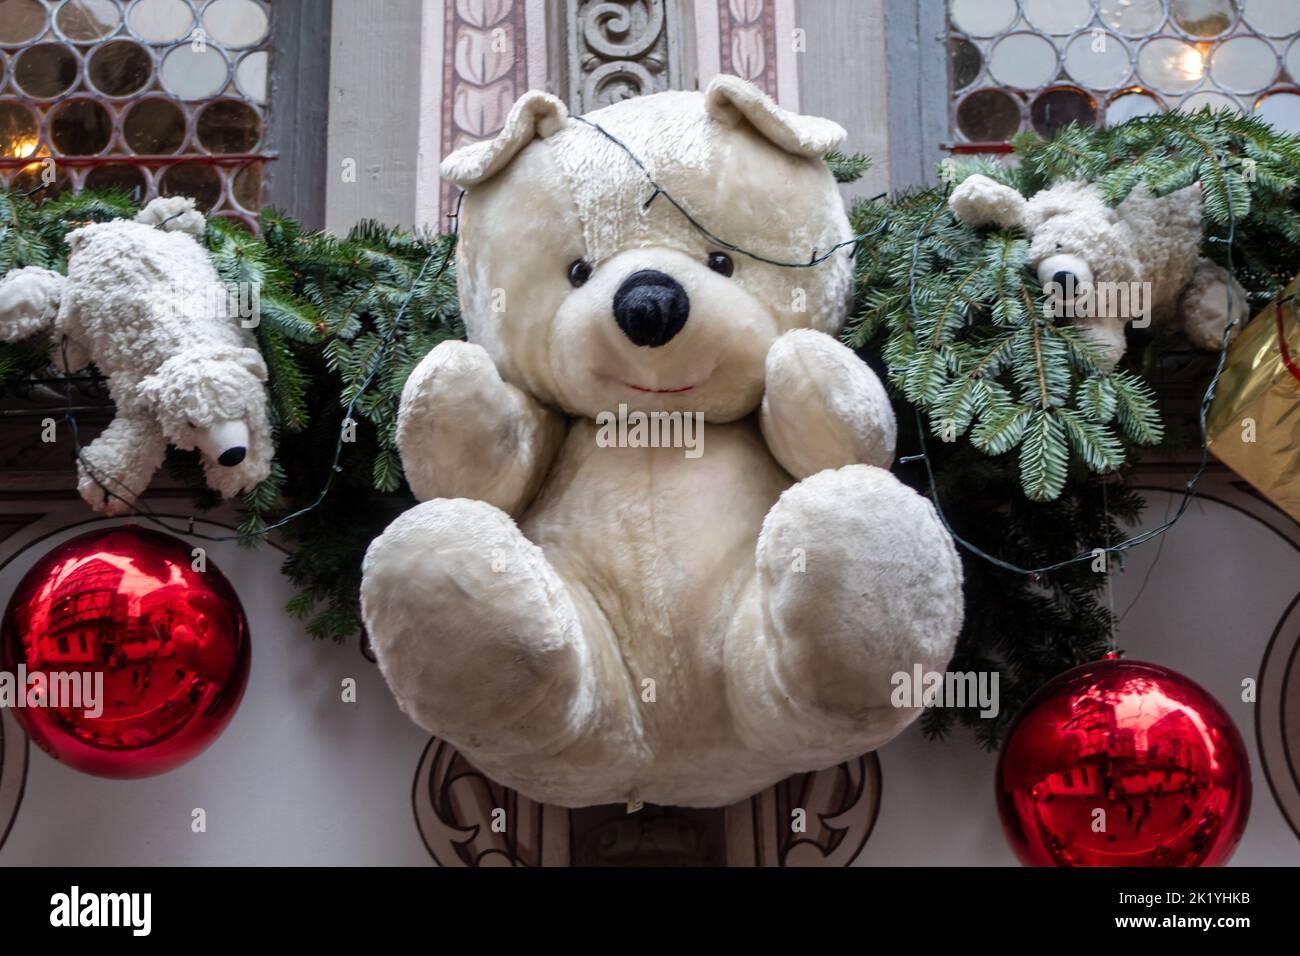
212,399
590,291
1075,238
1075,241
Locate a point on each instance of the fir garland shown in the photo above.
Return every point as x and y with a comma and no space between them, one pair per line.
328,308
963,325
954,313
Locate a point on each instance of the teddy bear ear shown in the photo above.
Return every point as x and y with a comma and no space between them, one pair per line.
253,363
535,114
981,201
729,99
173,214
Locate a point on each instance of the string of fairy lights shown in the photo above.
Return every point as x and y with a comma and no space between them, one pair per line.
815,258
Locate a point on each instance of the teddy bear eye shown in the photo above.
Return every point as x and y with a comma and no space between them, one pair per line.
721,263
579,273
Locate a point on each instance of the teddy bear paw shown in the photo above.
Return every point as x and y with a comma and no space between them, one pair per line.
859,580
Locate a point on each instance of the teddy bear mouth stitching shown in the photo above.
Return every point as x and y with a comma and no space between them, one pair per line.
659,391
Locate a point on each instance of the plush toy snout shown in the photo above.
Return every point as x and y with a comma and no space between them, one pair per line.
225,442
1069,272
651,307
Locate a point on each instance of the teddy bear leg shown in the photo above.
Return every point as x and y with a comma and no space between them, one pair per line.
1206,307
475,632
117,467
857,581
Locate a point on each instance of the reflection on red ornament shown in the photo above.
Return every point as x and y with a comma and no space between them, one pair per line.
125,611
1120,763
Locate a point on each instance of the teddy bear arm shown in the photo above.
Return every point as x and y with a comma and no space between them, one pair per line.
823,407
464,433
29,302
117,466
1206,308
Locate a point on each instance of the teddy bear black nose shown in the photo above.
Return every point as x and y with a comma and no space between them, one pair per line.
651,307
1065,280
232,456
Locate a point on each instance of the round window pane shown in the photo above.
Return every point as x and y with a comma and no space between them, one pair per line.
982,18
988,116
83,21
234,23
119,176
250,75
1243,64
229,126
1128,106
1097,60
154,127
1275,18
19,130
1171,66
1132,17
964,62
1023,60
46,70
199,182
1208,99
31,179
81,128
243,222
1203,18
246,187
1292,59
1057,108
21,21
1280,109
120,68
160,21
1058,17
194,74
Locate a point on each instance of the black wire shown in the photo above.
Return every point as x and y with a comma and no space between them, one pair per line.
659,190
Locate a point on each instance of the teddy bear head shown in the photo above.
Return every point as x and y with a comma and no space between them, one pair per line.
590,288
1075,239
212,399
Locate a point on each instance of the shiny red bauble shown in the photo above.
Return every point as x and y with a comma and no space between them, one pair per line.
129,651
1120,763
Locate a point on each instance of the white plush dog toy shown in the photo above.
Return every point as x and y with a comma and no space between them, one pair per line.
142,301
1146,248
683,625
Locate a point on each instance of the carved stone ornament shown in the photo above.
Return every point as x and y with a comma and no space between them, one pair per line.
619,49
810,819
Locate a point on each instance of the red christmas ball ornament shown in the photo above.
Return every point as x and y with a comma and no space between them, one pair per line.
1121,763
125,660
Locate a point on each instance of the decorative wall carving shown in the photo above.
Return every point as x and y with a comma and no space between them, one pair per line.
619,49
484,71
468,820
13,770
747,41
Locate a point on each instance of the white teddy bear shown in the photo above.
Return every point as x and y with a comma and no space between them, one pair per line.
1147,248
595,622
143,302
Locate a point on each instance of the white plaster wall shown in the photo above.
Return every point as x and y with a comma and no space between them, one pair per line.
301,778
298,776
1216,592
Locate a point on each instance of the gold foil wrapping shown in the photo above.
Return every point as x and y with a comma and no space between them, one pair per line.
1254,421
